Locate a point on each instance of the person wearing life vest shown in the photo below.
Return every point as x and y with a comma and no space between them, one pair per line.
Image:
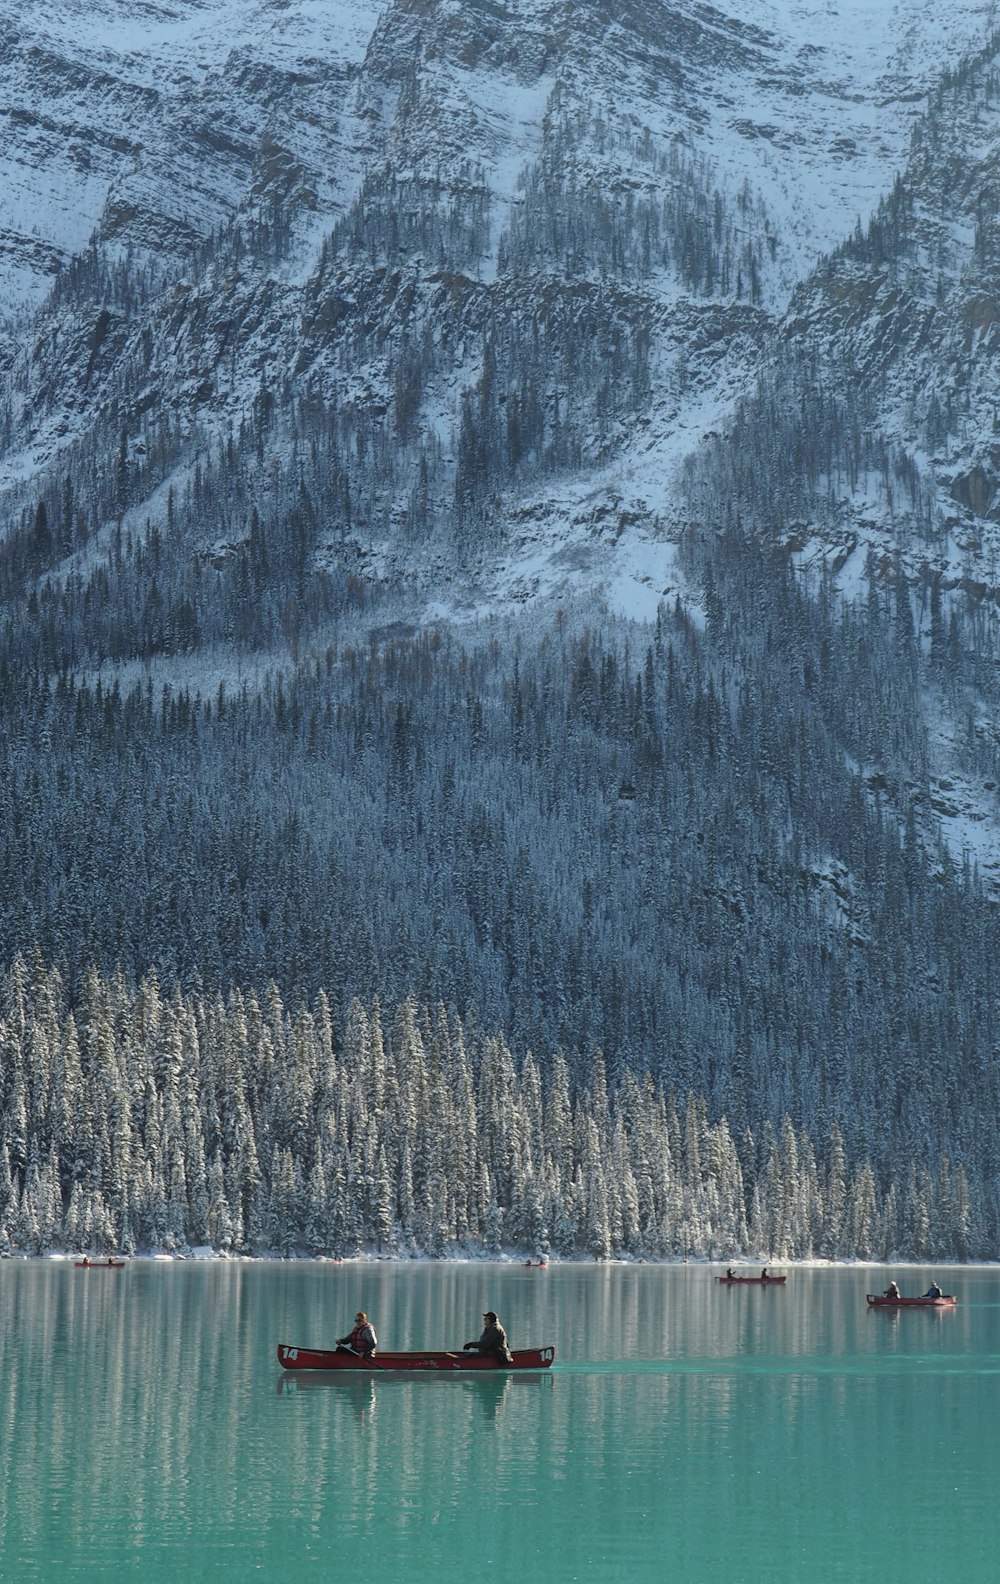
362,1340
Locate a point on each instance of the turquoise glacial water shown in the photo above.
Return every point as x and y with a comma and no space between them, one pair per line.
687,1432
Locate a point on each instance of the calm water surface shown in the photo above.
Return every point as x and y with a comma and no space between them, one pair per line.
687,1431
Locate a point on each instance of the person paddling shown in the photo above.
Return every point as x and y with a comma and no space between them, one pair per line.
361,1340
493,1340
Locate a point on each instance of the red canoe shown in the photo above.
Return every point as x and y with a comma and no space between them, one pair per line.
751,1281
880,1301
105,1264
300,1358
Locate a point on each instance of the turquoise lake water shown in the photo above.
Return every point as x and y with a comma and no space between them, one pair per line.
687,1432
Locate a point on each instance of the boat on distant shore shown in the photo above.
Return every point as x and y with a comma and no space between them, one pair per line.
442,1363
751,1281
925,1301
100,1264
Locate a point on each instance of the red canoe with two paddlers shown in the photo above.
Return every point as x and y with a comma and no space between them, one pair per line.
441,1363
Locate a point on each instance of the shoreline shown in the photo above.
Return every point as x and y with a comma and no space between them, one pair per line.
509,1261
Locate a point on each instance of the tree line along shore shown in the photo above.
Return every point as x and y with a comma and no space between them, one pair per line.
144,1120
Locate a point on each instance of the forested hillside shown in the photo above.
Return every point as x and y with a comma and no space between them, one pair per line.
647,850
466,584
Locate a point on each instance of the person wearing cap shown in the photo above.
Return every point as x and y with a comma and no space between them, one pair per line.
493,1340
362,1340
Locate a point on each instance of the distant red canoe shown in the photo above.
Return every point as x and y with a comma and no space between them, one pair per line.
300,1358
751,1281
880,1301
107,1264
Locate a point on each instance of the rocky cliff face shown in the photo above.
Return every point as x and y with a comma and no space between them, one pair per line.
145,128
532,256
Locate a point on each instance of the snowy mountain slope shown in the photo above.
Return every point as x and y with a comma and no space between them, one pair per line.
495,148
146,126
390,320
819,127
879,419
163,110
157,115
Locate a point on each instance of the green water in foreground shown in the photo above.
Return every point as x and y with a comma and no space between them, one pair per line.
688,1431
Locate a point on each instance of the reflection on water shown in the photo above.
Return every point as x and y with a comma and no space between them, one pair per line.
147,1431
487,1392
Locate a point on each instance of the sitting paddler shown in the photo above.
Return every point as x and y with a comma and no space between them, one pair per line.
362,1340
933,1291
892,1291
493,1340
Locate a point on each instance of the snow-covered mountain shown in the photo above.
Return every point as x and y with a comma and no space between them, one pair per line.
149,126
136,135
499,505
534,256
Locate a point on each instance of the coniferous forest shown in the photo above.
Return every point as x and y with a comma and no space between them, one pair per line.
584,942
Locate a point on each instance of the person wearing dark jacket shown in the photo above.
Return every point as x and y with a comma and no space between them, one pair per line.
493,1340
